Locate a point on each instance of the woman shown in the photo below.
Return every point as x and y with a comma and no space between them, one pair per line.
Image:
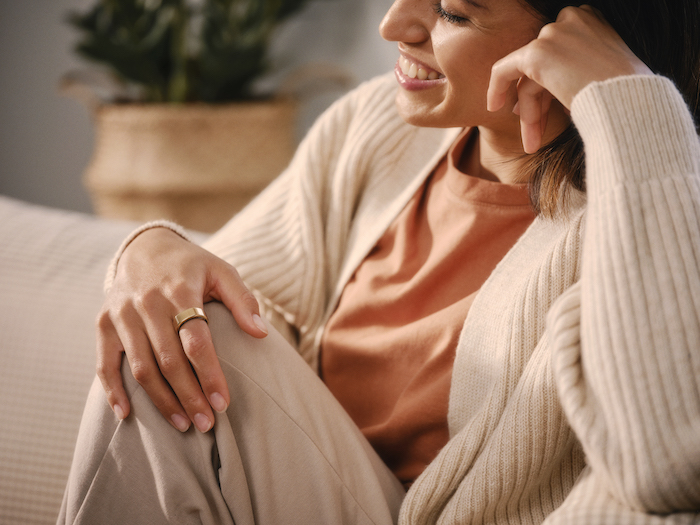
569,394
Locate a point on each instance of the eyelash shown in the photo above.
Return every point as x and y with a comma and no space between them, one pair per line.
452,19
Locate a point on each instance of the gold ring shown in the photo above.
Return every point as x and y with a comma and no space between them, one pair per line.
188,315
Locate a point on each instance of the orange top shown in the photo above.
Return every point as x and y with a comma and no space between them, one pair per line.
388,349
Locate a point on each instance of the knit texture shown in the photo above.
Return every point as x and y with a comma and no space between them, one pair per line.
582,346
299,242
627,357
52,267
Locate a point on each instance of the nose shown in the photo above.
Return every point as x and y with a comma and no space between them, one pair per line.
404,23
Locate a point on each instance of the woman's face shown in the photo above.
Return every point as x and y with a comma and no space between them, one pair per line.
446,51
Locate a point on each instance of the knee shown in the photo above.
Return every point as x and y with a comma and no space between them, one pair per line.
223,327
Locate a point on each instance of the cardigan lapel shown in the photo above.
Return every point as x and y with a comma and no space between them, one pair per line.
387,196
507,319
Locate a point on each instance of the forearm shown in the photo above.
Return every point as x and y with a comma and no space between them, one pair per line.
633,393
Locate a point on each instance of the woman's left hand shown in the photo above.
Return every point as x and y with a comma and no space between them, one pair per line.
580,47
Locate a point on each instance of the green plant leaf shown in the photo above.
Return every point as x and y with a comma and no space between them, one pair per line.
179,54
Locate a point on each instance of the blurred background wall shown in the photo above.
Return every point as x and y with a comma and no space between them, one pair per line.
46,139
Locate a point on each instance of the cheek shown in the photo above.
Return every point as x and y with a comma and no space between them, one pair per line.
467,65
470,81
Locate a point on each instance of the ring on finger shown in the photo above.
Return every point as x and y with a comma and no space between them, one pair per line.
187,315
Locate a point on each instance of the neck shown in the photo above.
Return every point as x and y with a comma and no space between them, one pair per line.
498,155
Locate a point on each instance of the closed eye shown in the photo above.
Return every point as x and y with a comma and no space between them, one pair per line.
451,18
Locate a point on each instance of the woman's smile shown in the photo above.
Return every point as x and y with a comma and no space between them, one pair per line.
414,75
446,53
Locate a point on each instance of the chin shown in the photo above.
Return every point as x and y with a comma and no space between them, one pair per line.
421,116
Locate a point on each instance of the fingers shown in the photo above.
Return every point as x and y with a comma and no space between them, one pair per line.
161,275
174,366
229,288
503,74
109,362
179,372
203,386
579,48
141,355
195,374
199,349
521,68
533,102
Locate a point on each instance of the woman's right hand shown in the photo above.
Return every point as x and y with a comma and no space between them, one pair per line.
580,47
159,275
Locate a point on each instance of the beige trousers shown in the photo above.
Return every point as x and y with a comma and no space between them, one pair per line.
285,452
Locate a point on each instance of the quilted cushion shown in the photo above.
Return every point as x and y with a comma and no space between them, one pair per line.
52,264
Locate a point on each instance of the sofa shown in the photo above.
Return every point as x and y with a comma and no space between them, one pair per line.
52,265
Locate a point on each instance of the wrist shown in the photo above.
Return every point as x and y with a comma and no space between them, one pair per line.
153,225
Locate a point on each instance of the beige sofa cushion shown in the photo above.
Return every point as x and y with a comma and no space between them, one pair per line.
52,264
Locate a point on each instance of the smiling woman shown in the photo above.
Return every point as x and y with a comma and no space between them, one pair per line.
498,364
462,49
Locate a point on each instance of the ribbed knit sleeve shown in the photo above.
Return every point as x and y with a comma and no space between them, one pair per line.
276,242
300,240
627,338
612,377
288,244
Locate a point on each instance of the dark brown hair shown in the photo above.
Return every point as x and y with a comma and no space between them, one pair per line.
665,34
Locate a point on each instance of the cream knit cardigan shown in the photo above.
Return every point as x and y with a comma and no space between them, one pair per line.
575,395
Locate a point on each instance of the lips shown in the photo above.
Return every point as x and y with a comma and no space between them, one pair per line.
416,70
415,76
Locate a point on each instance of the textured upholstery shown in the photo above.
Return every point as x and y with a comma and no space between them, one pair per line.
52,265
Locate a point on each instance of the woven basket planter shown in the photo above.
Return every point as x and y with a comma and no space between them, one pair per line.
194,164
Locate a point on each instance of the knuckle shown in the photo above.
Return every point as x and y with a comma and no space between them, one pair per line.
121,313
142,374
103,320
193,401
537,57
248,299
147,300
181,291
169,365
103,371
548,31
195,345
234,271
208,380
539,47
567,13
497,67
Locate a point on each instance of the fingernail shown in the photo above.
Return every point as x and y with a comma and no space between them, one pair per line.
118,411
259,323
217,402
202,422
180,422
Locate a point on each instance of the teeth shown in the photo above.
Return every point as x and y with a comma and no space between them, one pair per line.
411,70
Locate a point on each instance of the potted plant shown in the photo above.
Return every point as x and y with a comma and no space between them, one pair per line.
184,133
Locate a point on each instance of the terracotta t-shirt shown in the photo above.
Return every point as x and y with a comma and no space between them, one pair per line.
388,349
